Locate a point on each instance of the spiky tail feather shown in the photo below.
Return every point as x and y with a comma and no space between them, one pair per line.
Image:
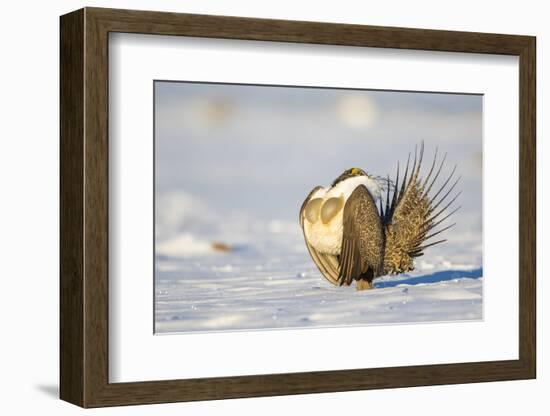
412,213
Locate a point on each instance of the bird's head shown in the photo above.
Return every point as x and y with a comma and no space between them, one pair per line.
350,173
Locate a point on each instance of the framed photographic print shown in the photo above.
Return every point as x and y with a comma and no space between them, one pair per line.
255,207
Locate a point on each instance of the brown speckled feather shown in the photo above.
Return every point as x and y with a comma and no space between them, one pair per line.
363,239
412,214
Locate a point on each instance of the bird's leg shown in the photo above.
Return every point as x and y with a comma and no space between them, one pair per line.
364,284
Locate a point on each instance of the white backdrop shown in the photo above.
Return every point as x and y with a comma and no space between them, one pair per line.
29,220
130,152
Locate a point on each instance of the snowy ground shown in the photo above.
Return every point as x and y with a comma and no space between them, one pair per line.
274,284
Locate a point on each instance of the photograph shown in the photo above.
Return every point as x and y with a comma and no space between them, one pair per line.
271,187
293,207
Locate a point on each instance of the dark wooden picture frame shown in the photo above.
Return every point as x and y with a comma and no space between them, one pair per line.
84,207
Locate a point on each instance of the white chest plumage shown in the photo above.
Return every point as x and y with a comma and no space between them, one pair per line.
326,236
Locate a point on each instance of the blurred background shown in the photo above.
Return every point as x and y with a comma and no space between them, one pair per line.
234,163
255,152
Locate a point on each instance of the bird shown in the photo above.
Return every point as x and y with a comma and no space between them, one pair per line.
351,238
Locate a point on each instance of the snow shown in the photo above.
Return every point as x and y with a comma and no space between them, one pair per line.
183,245
271,283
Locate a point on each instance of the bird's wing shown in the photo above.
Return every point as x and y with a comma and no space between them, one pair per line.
363,238
326,263
412,213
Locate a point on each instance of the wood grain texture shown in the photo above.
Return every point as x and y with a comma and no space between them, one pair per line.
162,23
96,218
71,100
527,208
84,207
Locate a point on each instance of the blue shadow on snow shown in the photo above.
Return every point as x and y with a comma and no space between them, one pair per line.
432,278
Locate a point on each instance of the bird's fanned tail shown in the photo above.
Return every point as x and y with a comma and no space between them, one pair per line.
411,214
